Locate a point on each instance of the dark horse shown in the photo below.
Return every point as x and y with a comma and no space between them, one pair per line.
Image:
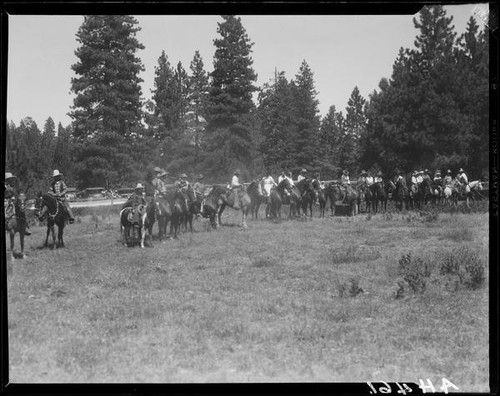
194,200
15,222
401,194
254,191
320,197
47,206
333,192
218,196
163,214
278,196
425,191
307,195
380,194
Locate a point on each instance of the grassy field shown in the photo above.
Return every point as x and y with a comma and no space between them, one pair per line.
297,301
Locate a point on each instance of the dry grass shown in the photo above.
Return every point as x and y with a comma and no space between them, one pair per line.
256,305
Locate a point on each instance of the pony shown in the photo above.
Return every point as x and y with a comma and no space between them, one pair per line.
437,193
320,197
219,196
380,194
401,194
49,207
15,222
307,195
135,222
210,205
451,193
277,197
334,193
476,190
163,214
425,191
257,197
364,195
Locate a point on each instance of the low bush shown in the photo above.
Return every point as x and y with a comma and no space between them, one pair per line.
352,254
467,264
414,270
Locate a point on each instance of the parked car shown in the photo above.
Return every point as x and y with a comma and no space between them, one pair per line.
71,194
124,192
92,193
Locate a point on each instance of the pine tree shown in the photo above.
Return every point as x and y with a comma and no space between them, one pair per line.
331,135
306,118
230,107
47,145
355,123
107,85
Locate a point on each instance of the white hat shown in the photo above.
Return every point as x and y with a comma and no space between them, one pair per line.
460,170
139,185
8,175
56,173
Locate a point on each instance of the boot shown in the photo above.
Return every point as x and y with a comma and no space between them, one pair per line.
70,214
27,230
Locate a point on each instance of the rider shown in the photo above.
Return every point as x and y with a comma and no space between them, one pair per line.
447,180
426,175
281,177
462,177
344,182
363,176
10,197
236,187
438,180
199,190
302,175
58,189
414,177
136,199
182,185
158,182
316,181
267,184
378,178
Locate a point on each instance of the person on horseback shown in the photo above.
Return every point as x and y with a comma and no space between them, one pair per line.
426,175
182,185
281,177
438,180
447,180
10,197
378,178
267,184
414,177
199,190
362,177
58,189
159,182
420,177
235,189
302,175
344,183
136,199
462,177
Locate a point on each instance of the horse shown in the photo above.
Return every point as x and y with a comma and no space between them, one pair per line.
380,194
163,214
210,206
134,221
414,195
220,196
294,200
451,194
320,197
334,193
364,194
277,197
15,222
437,192
48,206
254,191
401,194
476,188
307,195
425,191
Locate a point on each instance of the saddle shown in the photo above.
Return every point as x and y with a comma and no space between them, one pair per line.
135,215
9,209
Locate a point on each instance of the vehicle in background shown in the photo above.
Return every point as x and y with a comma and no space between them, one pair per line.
91,193
124,192
71,194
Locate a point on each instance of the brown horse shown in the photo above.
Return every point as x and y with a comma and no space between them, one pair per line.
49,207
254,191
307,195
278,196
219,195
334,193
15,222
320,197
364,196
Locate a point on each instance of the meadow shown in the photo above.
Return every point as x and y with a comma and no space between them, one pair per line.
388,297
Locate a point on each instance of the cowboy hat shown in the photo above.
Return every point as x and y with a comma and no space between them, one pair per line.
163,173
438,173
199,177
460,170
426,170
303,170
363,172
157,169
139,186
183,175
56,173
9,175
448,171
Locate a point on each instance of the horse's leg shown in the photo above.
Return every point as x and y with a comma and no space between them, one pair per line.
21,241
60,230
12,235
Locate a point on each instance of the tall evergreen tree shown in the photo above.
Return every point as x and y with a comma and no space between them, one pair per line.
332,132
306,118
355,123
47,145
107,85
230,106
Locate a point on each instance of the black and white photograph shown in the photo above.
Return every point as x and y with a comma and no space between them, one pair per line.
250,198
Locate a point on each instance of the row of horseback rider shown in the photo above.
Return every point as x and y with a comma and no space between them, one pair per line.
156,183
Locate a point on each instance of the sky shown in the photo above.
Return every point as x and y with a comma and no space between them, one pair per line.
343,51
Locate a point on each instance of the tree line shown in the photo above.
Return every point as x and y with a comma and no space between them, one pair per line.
431,113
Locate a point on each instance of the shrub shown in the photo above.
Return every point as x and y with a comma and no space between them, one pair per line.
352,254
414,270
467,265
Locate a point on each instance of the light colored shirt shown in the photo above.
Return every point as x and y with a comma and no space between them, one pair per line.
369,180
378,179
268,183
235,182
344,179
463,178
420,179
300,178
